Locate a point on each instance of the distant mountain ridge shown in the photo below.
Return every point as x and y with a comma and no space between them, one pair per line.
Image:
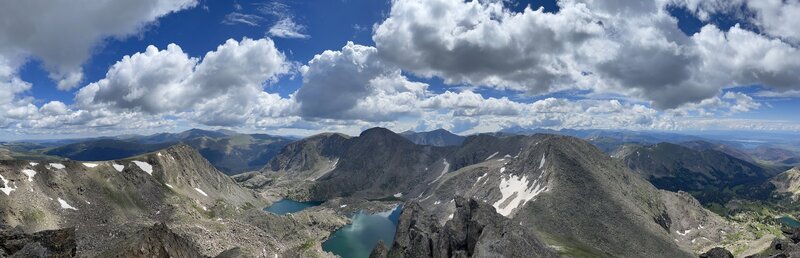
439,137
229,151
711,175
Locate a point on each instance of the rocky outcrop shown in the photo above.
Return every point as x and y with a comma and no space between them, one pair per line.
780,248
475,230
48,243
156,241
717,252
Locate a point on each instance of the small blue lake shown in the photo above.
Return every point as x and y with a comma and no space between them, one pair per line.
286,206
359,238
789,222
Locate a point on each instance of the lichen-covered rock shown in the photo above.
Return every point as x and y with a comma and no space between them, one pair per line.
48,243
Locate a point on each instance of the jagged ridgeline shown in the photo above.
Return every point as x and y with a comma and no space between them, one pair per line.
108,209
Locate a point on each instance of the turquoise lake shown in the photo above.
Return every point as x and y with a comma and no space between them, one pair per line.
789,222
359,238
286,206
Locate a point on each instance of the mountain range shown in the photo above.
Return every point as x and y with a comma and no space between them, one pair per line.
490,195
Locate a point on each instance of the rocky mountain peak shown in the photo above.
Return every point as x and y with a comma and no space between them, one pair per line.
380,134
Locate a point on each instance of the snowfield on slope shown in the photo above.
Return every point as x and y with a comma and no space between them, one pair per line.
7,189
146,167
30,173
516,192
65,205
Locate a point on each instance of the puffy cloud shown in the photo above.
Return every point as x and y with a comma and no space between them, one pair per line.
777,18
354,83
482,43
741,57
62,33
468,103
223,88
605,46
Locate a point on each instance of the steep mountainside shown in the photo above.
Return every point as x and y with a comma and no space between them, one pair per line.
788,182
475,230
439,137
775,155
309,158
573,196
238,153
377,164
108,202
710,175
727,149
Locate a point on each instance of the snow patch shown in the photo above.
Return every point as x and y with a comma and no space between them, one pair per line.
444,171
503,169
541,163
159,154
168,185
33,164
65,205
449,217
7,189
516,192
492,156
398,195
30,173
119,168
482,176
90,165
684,232
343,205
146,167
58,165
201,191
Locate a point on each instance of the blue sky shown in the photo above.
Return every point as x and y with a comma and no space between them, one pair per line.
464,66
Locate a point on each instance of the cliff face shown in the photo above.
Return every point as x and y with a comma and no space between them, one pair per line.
475,230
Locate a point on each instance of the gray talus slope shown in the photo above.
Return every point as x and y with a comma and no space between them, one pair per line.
572,195
107,202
